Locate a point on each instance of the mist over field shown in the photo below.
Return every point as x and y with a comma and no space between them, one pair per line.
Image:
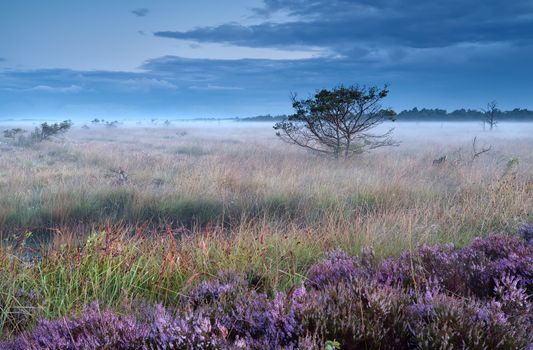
443,131
266,174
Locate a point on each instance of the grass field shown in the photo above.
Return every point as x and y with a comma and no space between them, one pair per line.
118,215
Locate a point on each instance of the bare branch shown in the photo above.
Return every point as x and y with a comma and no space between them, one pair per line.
477,153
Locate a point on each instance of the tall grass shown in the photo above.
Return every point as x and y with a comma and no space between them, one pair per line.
197,203
200,178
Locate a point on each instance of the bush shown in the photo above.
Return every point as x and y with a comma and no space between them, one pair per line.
94,329
12,133
472,270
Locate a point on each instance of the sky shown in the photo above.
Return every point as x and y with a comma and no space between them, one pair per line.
210,58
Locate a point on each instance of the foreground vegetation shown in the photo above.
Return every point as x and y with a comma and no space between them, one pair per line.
477,297
129,217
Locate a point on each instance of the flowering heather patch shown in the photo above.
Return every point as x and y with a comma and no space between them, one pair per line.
339,267
186,332
475,297
472,270
358,314
245,316
94,329
439,320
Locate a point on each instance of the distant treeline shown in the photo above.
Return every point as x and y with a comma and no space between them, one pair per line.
425,114
264,118
462,114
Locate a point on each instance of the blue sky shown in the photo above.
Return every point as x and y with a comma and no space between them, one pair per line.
208,58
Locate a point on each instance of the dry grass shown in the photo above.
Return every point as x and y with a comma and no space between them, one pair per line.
229,199
208,175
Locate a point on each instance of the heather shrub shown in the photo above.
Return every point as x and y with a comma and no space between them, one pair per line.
187,332
440,321
359,314
515,302
476,297
480,293
226,313
495,257
248,317
225,285
471,270
314,342
337,267
94,329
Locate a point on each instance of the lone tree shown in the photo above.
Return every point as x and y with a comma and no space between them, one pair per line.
338,122
490,114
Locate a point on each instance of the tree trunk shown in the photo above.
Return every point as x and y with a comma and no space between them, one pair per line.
347,150
338,149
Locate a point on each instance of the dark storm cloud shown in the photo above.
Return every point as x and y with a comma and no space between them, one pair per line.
340,23
140,12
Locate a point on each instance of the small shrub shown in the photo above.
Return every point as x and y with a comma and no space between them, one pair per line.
337,267
471,270
360,314
94,329
112,124
12,133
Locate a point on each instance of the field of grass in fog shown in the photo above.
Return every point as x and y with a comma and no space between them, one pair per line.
203,174
118,215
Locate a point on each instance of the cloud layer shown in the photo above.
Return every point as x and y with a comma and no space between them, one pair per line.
441,53
343,25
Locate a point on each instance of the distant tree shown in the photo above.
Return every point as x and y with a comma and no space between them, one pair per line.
462,114
338,122
112,124
47,131
490,114
12,133
41,133
95,121
264,118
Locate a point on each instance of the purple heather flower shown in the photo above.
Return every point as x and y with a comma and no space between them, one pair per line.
478,296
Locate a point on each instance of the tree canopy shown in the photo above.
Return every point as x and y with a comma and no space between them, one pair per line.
338,122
